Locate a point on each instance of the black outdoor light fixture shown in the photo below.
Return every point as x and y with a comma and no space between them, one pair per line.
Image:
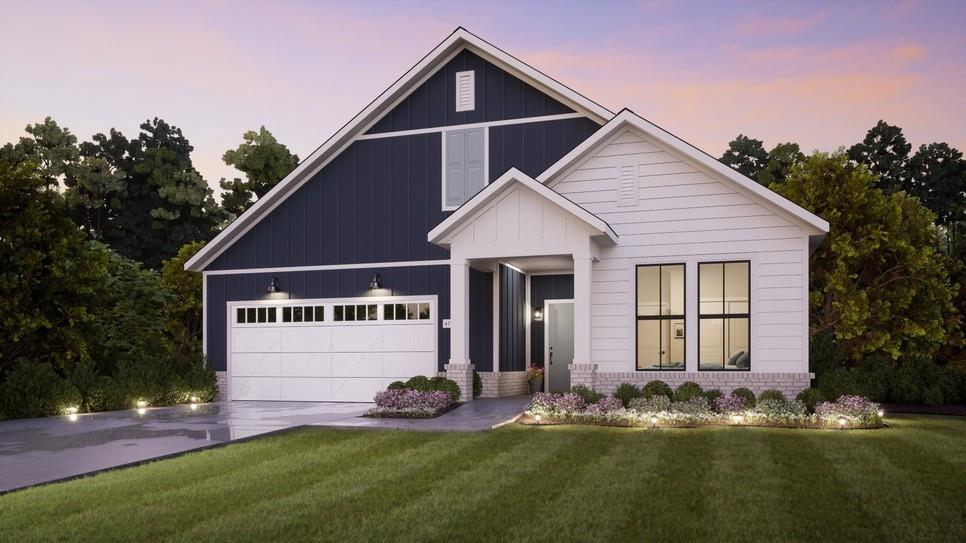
376,282
273,286
538,313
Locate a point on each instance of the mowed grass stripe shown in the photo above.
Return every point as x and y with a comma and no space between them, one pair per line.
294,513
460,491
814,496
190,501
903,507
603,499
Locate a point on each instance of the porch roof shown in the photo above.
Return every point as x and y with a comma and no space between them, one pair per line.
444,233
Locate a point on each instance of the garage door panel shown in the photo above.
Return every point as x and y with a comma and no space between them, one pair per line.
256,364
255,388
256,340
360,389
306,389
410,337
305,365
405,365
356,338
357,364
306,339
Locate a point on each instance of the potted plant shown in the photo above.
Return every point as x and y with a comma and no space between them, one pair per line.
535,375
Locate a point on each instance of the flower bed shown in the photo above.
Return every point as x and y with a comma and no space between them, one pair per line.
410,403
728,409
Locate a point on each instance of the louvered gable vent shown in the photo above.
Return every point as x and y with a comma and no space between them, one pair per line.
465,91
627,185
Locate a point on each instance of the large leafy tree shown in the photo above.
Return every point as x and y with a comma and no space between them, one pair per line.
937,176
877,282
780,161
50,148
264,161
183,311
50,278
746,155
886,152
143,196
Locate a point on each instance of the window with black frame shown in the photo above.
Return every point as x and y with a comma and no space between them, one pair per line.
724,316
660,317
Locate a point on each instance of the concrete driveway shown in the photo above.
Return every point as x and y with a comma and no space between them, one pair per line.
34,451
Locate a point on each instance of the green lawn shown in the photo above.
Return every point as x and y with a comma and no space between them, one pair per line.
903,483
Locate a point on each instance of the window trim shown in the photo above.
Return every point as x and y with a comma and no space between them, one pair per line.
328,305
659,317
442,166
725,316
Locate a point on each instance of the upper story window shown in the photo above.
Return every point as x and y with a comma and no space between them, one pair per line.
466,91
724,315
660,317
464,165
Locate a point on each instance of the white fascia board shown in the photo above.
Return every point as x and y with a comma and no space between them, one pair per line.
440,233
629,119
359,124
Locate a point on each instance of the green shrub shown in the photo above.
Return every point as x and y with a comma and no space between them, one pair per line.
905,384
838,383
396,385
688,390
141,378
872,379
588,395
811,397
35,390
712,395
948,380
822,356
771,394
420,383
657,388
627,392
932,395
747,394
477,385
448,386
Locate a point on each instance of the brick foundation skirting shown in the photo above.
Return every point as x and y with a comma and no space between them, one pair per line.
607,382
463,375
503,383
221,384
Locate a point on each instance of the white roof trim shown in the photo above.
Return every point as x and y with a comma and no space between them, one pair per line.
459,39
440,235
627,118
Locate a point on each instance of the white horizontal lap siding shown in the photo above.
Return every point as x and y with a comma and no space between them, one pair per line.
683,214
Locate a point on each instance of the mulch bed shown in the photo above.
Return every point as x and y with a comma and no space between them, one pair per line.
402,416
958,410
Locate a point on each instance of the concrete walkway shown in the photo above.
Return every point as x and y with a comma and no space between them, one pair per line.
36,451
476,416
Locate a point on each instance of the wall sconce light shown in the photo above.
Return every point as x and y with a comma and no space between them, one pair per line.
538,314
273,286
376,282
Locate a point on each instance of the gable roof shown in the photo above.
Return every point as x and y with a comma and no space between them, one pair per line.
427,66
628,119
489,193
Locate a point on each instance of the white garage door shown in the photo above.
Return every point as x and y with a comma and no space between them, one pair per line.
328,350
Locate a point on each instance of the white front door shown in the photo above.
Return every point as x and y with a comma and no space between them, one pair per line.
559,344
328,350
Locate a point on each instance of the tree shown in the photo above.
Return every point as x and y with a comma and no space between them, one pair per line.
264,161
746,155
52,149
183,311
780,161
877,282
144,197
50,277
886,152
937,176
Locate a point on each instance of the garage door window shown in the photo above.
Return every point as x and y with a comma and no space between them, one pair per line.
355,312
254,315
402,312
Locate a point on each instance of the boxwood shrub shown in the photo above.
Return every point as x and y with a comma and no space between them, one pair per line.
657,388
627,392
747,394
771,394
588,395
688,390
811,397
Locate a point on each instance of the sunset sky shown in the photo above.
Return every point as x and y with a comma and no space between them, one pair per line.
819,73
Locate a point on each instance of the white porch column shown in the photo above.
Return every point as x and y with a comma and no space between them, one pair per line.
460,368
582,279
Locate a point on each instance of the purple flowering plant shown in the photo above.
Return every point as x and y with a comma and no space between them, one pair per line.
729,403
405,399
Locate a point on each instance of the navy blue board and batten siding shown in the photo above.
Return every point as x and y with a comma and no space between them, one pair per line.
513,300
376,201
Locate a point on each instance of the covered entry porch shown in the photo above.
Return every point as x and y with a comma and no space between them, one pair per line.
516,229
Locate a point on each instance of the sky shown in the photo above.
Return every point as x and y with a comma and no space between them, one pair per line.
817,73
